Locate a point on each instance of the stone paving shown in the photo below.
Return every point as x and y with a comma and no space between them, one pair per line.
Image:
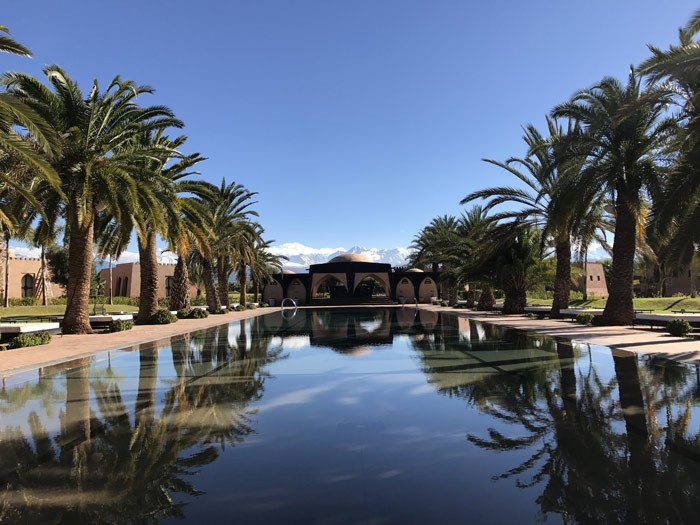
65,347
640,340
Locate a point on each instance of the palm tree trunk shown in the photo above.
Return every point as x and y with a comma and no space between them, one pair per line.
77,415
148,380
243,281
514,301
208,277
148,290
6,298
562,279
256,290
76,319
44,298
486,299
222,278
619,309
111,282
180,297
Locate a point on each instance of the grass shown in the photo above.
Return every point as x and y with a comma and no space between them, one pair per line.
15,311
657,304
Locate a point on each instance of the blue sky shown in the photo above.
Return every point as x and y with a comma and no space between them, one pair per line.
356,121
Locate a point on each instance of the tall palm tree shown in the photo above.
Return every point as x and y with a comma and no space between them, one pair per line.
234,234
95,168
549,200
621,139
674,75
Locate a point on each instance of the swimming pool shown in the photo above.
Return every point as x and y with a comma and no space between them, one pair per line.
353,416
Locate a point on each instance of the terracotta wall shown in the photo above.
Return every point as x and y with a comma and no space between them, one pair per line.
126,279
19,267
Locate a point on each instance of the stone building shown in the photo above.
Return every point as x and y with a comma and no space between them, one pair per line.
593,281
126,280
25,278
352,278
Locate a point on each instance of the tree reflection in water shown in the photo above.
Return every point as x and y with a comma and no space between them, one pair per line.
596,447
110,466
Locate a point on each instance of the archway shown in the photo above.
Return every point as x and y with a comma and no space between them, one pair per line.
371,286
168,286
297,291
329,287
272,293
125,287
426,290
27,285
118,288
405,290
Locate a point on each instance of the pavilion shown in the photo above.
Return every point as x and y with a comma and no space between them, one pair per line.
352,278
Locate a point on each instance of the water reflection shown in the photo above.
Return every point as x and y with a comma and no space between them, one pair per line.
372,416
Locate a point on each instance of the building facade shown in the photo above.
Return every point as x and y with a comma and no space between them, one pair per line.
352,279
592,283
126,280
25,278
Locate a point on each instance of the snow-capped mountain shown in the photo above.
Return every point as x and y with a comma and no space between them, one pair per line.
301,257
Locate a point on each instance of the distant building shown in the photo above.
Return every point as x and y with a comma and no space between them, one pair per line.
25,278
352,278
126,280
593,281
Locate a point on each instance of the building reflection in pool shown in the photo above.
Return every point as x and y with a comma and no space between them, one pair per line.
595,436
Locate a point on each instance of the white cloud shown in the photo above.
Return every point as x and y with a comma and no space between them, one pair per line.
291,249
26,251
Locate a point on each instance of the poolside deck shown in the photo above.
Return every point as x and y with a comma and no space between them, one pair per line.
62,348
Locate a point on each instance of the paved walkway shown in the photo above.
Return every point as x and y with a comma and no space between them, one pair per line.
639,340
65,347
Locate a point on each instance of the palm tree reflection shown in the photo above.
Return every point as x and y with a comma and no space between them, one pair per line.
111,466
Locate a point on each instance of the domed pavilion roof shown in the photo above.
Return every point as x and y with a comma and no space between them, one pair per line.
351,257
415,270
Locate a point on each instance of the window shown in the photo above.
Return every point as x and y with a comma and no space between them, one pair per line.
428,281
168,286
27,285
599,277
591,277
404,281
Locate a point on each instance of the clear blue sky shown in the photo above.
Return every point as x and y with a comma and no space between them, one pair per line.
356,121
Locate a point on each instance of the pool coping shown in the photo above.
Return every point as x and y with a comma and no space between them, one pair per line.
64,348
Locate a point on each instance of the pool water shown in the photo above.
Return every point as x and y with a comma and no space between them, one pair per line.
353,416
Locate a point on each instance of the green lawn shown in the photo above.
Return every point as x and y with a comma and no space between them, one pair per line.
14,311
658,304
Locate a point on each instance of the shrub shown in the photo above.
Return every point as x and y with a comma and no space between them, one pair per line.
121,325
23,301
164,302
183,314
58,301
35,339
584,319
252,306
679,327
532,316
444,303
199,301
198,313
162,317
239,308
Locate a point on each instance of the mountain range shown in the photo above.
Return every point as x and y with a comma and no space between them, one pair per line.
301,257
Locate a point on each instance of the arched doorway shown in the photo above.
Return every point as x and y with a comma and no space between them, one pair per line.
426,290
371,286
125,287
118,288
272,293
27,285
329,287
297,291
168,286
405,290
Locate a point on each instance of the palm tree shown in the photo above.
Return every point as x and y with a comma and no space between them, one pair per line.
233,233
673,76
549,200
95,167
263,265
621,139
